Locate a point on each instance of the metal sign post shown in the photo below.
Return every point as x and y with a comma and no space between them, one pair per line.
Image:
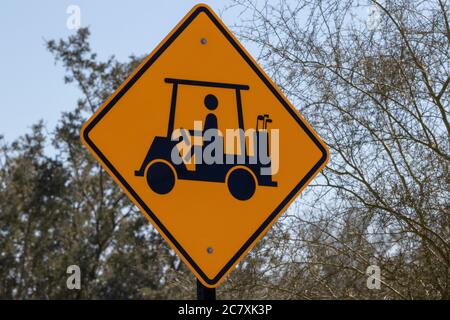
205,293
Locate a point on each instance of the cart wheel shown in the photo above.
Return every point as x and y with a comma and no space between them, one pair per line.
160,177
241,183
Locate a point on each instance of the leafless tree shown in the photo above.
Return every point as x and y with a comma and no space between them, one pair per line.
373,79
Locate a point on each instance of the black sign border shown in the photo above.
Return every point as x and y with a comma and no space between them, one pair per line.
130,83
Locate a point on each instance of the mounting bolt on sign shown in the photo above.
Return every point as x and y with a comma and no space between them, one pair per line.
205,144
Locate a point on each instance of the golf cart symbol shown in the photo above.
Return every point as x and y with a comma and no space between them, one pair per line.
241,178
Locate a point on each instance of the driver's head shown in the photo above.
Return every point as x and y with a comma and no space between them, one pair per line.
211,102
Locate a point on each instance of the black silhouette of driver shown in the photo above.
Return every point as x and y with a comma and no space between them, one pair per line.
211,103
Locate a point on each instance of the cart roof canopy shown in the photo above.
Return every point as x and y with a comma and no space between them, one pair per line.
207,84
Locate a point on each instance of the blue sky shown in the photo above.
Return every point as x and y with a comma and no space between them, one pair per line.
32,86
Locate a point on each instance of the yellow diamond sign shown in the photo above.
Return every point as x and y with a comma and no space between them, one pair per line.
205,144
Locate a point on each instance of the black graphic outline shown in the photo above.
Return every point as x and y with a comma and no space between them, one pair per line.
244,170
154,218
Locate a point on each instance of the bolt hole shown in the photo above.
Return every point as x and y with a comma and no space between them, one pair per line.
210,250
203,41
